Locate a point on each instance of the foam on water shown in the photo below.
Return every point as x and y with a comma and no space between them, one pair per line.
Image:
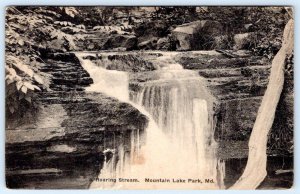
179,140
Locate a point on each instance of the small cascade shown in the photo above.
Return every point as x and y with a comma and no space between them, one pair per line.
113,83
179,140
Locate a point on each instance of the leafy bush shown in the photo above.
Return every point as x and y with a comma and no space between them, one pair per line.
28,31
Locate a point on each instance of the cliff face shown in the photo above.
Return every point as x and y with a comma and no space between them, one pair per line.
70,130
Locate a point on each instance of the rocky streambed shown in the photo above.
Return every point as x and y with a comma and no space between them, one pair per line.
63,144
238,82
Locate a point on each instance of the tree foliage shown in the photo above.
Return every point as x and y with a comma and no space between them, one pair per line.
32,31
28,31
267,23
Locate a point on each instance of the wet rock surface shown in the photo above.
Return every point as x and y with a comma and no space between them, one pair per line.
61,145
66,72
148,44
73,127
108,41
132,62
238,82
70,132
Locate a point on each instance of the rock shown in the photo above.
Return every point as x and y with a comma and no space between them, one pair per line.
196,35
196,62
108,41
62,148
129,62
211,28
189,28
66,72
62,56
66,135
244,41
148,44
163,44
145,30
90,57
185,35
248,27
71,129
236,118
117,40
119,49
221,42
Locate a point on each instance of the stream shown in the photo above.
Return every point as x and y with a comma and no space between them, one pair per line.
178,149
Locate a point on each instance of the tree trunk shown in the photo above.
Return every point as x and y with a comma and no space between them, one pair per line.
255,171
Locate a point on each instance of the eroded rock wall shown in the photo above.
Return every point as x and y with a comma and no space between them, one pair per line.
61,145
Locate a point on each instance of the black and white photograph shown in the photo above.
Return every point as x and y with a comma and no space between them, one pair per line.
149,98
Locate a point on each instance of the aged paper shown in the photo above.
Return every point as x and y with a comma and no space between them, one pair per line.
149,97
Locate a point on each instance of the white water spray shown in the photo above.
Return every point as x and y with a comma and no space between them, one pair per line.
113,83
179,140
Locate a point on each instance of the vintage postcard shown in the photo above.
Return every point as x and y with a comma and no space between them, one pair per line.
181,97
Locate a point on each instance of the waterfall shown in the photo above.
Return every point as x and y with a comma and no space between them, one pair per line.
179,140
113,83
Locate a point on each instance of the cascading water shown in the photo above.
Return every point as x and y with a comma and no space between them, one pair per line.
113,83
179,141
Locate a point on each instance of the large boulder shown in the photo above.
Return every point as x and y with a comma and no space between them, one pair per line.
163,44
185,34
148,44
118,40
221,42
105,41
244,41
146,30
196,35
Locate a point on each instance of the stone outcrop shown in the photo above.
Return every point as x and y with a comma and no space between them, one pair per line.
66,72
146,30
156,43
108,41
229,78
196,35
70,130
238,83
244,41
163,44
148,44
129,42
122,62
